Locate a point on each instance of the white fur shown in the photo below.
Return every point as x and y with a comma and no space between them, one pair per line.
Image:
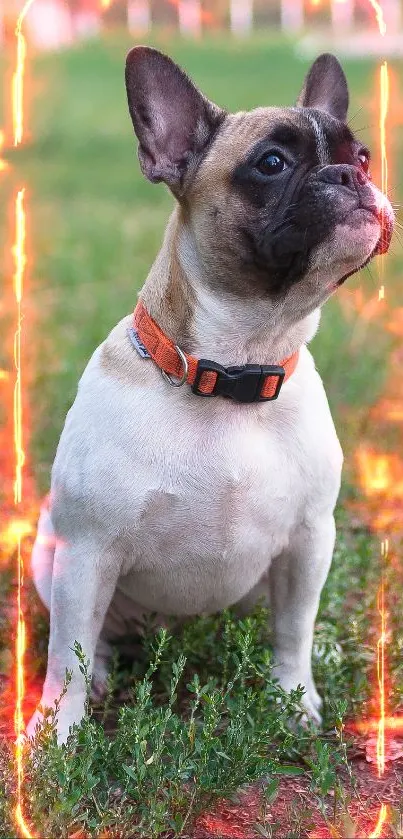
321,142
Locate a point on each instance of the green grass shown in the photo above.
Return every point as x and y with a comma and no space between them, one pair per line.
94,227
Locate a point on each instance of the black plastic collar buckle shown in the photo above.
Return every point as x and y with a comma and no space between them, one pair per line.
243,384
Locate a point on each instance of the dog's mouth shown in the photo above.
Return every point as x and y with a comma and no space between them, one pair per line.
385,238
382,246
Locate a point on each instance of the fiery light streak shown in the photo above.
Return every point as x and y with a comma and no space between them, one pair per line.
381,483
18,77
391,724
384,108
379,16
3,163
20,263
380,743
383,815
19,254
377,471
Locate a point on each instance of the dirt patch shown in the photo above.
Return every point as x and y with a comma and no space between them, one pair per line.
295,811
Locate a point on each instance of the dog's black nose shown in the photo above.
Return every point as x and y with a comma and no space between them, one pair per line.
342,174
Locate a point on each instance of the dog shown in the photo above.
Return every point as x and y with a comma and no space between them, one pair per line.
199,466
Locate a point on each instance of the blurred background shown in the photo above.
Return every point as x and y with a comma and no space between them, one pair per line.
53,23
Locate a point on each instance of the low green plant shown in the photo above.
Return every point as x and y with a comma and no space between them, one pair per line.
178,744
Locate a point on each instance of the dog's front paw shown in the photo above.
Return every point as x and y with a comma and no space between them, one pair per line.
311,701
99,684
311,709
71,713
37,720
315,697
101,669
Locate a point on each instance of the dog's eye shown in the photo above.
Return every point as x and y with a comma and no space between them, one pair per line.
363,157
271,164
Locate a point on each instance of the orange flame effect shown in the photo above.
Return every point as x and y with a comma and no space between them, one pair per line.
391,724
384,108
3,163
379,16
16,530
18,77
375,471
19,254
382,819
20,263
380,744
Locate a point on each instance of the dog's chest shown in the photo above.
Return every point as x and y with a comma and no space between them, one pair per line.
193,496
220,511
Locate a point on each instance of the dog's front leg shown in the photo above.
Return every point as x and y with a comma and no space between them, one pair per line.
82,589
296,580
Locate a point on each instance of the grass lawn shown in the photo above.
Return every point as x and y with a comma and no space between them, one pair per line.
189,731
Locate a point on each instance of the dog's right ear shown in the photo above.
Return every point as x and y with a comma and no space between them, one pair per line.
173,121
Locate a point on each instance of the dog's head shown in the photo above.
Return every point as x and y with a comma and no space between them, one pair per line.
276,199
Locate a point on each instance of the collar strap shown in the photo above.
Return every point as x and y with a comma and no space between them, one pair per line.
248,383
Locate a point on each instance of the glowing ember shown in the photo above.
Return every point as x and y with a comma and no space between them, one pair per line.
390,410
16,530
4,375
381,478
376,471
383,814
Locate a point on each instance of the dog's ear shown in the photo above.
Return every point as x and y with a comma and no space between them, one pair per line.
325,88
173,121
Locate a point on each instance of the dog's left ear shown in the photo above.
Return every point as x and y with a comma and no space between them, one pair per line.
325,88
173,121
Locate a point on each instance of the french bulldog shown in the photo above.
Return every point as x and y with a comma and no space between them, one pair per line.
164,501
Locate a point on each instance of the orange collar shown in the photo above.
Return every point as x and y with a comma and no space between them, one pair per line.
249,383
